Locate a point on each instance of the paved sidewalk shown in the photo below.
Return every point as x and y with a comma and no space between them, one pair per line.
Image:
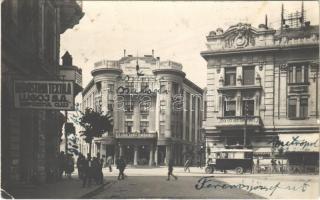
64,189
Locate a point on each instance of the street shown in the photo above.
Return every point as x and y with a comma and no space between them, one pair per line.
152,183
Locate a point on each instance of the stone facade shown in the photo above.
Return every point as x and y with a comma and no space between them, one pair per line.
276,74
30,51
148,101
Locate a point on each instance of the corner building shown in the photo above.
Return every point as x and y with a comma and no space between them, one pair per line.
273,76
156,110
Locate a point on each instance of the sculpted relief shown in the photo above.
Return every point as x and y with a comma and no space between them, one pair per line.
239,37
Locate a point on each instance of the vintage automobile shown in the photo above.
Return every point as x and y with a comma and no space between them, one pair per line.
239,160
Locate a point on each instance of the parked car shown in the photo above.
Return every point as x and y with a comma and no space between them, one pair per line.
240,160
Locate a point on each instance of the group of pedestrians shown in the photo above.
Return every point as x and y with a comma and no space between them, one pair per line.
90,169
65,165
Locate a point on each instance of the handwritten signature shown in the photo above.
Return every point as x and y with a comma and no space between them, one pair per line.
296,141
209,182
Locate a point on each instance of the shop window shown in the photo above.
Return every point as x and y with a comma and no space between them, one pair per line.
248,75
229,108
128,126
230,76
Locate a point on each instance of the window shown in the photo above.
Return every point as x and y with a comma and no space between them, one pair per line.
111,88
110,106
175,88
248,75
230,76
145,106
144,86
298,73
229,108
292,108
144,127
130,86
250,107
129,125
128,106
162,105
303,108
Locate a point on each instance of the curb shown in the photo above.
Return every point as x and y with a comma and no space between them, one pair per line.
93,192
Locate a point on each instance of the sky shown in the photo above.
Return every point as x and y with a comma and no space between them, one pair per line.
175,30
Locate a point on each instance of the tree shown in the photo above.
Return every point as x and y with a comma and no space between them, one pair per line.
95,124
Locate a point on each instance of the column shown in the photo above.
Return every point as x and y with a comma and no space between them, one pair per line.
151,155
121,150
156,155
168,112
135,158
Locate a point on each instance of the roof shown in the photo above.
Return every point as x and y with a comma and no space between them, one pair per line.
303,32
87,88
192,85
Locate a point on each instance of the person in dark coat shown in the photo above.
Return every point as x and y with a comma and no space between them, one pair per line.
80,164
61,164
170,170
121,165
87,172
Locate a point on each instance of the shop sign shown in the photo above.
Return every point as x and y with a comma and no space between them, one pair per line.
48,95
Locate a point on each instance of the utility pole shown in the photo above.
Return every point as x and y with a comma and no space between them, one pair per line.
65,132
245,125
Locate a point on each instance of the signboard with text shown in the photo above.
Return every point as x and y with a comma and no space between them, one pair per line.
48,95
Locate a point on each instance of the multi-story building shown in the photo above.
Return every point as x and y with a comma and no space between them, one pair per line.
263,89
30,51
155,109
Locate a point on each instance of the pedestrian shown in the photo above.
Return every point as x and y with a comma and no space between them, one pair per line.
273,165
109,163
170,170
80,165
121,165
280,167
95,169
187,165
69,166
101,161
87,171
61,164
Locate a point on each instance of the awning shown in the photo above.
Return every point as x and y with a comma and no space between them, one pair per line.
308,142
262,151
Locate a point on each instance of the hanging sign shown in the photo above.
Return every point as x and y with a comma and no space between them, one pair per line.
48,95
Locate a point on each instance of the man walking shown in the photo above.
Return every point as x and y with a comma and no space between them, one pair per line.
170,169
109,163
121,165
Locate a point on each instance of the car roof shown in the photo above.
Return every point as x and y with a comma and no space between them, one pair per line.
232,150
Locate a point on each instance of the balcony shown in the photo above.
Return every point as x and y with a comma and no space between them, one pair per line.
238,121
136,135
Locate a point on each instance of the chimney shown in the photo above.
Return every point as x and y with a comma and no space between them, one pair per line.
124,53
152,53
266,21
66,59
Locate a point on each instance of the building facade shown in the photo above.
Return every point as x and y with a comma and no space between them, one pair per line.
263,92
30,51
156,110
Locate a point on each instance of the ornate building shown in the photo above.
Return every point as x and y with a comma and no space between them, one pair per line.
263,91
30,51
156,110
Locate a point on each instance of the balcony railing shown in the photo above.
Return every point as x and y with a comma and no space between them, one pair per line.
238,121
112,64
136,135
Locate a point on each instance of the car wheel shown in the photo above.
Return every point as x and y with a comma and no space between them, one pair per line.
209,170
239,170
